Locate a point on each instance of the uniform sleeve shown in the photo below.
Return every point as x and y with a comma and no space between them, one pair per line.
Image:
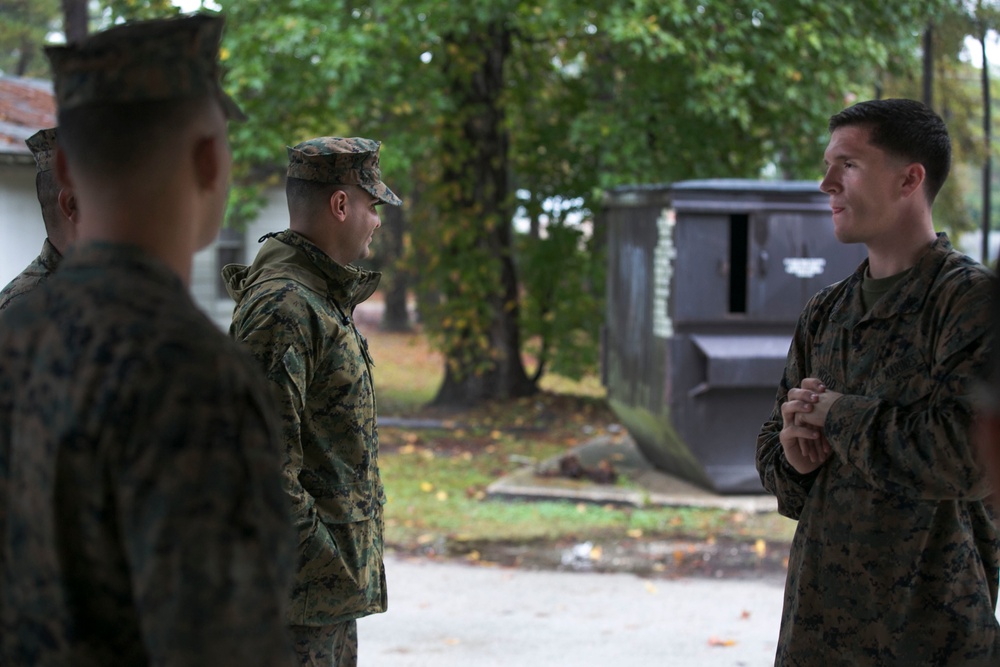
923,449
778,477
204,522
278,338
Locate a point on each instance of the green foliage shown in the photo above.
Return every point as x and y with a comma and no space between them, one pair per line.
116,11
24,29
477,100
561,315
591,95
957,95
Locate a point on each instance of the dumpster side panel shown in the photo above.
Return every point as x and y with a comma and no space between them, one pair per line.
634,357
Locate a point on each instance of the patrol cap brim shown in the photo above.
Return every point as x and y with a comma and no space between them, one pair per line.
382,191
231,108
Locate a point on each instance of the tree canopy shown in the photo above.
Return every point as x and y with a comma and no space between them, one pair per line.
496,109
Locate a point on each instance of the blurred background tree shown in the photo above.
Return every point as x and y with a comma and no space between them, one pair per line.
505,121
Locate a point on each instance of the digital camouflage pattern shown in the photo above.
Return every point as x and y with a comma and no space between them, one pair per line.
143,520
42,145
293,312
33,275
145,61
330,645
895,558
341,161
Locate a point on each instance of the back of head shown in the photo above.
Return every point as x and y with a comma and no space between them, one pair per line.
906,129
124,93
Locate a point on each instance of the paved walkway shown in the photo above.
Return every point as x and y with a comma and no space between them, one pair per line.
459,615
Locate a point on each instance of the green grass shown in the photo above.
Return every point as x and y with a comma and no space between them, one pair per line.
439,493
436,479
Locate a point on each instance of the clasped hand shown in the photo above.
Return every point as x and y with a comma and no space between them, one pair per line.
803,417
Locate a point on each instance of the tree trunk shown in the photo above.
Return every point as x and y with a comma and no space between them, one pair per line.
395,317
75,20
24,60
480,146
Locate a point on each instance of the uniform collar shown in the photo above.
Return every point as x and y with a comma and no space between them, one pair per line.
907,296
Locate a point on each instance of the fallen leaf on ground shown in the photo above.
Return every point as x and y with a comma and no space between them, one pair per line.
715,641
760,548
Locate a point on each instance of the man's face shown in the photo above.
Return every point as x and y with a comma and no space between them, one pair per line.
362,221
864,183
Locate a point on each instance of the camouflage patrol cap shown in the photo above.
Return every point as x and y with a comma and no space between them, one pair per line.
144,61
341,161
43,146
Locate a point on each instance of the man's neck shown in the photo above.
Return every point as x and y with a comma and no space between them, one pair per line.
901,250
165,233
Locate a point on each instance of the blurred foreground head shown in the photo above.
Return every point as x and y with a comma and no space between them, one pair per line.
143,119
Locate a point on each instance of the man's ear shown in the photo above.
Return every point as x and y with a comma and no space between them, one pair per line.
914,176
338,205
207,158
67,204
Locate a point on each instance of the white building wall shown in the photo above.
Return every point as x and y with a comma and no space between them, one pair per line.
22,231
22,234
205,272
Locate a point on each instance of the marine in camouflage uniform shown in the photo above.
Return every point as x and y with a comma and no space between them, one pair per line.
895,558
58,220
142,520
294,308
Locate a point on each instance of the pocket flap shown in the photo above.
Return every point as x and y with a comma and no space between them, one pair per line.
347,503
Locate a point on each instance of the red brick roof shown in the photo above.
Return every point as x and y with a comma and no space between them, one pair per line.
26,106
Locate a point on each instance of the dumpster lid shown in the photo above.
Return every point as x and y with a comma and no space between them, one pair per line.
741,361
737,195
721,346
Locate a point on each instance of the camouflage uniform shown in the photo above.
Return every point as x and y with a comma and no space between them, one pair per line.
895,557
33,275
293,312
142,520
42,145
294,306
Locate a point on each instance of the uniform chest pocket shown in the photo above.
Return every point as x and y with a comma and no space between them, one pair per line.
906,372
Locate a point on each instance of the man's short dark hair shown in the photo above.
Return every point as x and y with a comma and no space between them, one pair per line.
907,129
304,195
116,139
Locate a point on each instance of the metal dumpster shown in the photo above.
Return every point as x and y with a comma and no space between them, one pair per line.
705,282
